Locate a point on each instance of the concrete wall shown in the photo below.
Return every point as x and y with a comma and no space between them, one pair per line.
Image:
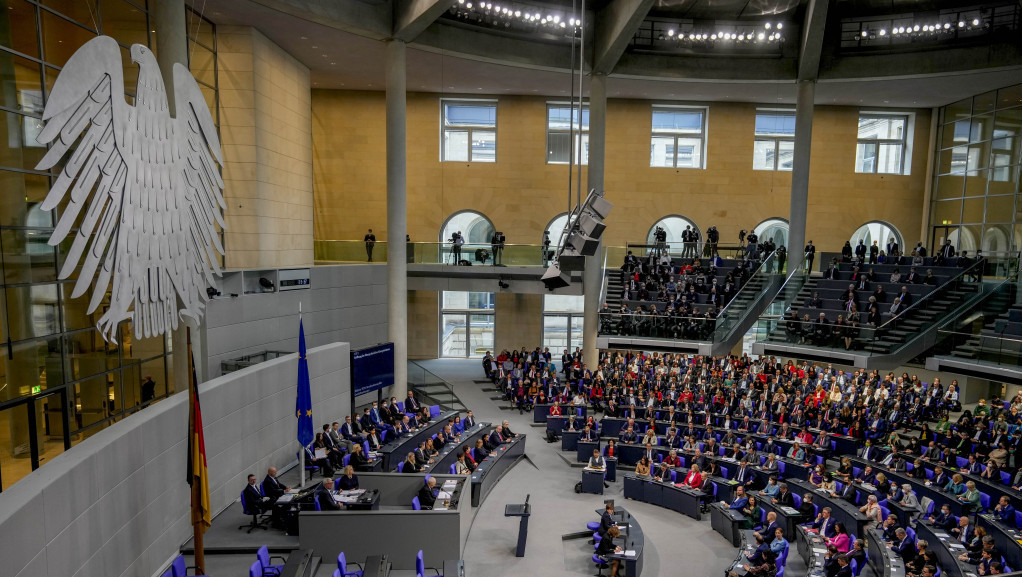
345,303
521,193
117,503
519,321
266,130
423,324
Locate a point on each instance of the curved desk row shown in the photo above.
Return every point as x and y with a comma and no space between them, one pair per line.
395,451
631,540
449,455
684,500
844,512
883,561
494,466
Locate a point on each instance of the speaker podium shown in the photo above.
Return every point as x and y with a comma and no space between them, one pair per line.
522,511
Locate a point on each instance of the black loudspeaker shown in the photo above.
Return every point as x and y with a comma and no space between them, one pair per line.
601,207
584,245
591,225
553,278
570,260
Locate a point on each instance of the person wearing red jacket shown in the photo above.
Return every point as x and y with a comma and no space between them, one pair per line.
693,479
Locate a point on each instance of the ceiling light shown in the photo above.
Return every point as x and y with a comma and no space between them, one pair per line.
767,26
780,25
461,1
947,25
713,37
563,25
760,36
469,5
883,32
518,13
975,21
915,28
557,19
670,32
961,24
864,34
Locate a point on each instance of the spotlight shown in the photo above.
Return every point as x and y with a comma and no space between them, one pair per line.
947,25
563,25
883,32
864,34
713,37
975,21
553,278
915,28
557,19
767,26
760,36
461,1
670,32
503,284
780,25
961,24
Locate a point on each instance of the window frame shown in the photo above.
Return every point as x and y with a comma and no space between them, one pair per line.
905,141
568,316
571,132
444,129
775,139
703,134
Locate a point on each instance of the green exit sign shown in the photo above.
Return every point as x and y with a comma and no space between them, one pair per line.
37,389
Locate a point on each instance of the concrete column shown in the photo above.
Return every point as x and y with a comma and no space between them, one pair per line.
397,216
171,37
800,169
168,19
592,278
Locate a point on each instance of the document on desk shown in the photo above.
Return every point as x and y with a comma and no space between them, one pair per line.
450,485
443,495
285,498
629,553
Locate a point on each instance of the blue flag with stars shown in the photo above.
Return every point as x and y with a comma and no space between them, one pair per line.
304,405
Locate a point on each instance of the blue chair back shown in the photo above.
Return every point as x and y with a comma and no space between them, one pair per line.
263,554
884,511
425,479
1005,478
856,471
342,563
855,566
178,567
420,565
911,533
416,506
434,411
244,504
723,472
401,467
453,469
780,467
337,573
346,460
929,474
984,500
315,504
255,570
1018,518
797,498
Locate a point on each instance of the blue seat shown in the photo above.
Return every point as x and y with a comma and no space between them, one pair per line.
416,506
346,460
597,538
600,564
263,558
854,565
316,505
255,570
797,499
308,465
1005,478
780,571
401,467
593,525
780,467
856,471
420,565
865,561
929,474
434,411
984,500
723,472
1018,518
256,523
453,469
342,567
178,568
911,533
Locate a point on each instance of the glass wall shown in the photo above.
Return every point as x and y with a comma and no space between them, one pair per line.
562,322
976,182
59,380
466,323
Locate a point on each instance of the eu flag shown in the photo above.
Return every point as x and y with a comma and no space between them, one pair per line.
304,404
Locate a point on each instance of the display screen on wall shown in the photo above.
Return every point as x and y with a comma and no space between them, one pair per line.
372,368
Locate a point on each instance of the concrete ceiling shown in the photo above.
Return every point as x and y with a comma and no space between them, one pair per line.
344,60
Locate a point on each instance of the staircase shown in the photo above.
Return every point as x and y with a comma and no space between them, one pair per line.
914,320
613,287
433,390
996,312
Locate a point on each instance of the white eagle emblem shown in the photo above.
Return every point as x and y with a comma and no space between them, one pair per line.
143,188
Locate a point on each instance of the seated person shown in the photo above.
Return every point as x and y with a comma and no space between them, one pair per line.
597,461
273,488
410,464
607,547
923,558
358,460
349,480
325,496
903,546
254,500
762,547
768,568
427,498
642,467
461,466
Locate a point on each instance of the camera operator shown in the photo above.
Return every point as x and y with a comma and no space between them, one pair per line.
751,247
456,241
497,244
712,237
660,238
741,237
547,253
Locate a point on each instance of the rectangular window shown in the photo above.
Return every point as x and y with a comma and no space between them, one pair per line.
564,135
562,323
883,143
774,147
468,131
466,323
679,137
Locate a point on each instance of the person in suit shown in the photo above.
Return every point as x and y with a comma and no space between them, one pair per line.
741,500
273,488
772,526
824,523
410,464
254,500
607,520
629,437
904,546
469,421
756,557
1004,511
844,566
324,495
348,481
411,405
480,451
358,460
337,438
964,532
607,547
944,519
784,498
497,437
427,498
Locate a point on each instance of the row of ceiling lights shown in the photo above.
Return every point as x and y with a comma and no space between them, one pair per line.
771,33
512,13
922,29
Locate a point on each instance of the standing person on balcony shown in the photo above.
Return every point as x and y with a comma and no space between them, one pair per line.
370,240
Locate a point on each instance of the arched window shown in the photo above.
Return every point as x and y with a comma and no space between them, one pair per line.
474,226
775,229
673,225
879,231
554,227
995,239
963,239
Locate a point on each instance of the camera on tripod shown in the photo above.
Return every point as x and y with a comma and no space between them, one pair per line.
660,234
741,235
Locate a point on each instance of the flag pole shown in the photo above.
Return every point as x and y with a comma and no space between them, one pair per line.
197,531
301,450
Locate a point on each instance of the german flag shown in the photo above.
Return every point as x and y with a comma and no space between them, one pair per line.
198,477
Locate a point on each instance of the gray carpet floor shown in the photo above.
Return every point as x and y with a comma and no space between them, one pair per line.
675,544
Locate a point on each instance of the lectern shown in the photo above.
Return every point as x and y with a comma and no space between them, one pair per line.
523,511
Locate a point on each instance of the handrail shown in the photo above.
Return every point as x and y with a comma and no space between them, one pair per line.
999,337
1010,279
760,269
940,289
